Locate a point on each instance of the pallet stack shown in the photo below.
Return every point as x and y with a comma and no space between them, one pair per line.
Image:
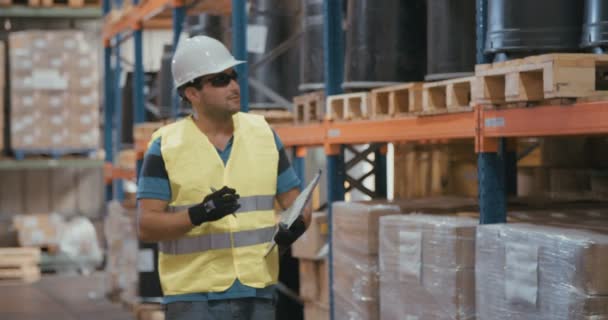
54,93
311,249
19,265
538,79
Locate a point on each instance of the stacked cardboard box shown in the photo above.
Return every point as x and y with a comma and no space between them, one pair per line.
54,91
39,230
427,267
310,249
355,247
536,272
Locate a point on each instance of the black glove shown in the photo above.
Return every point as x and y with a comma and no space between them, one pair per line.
215,206
286,236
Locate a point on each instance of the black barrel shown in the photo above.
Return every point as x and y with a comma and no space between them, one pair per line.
451,38
595,28
385,42
269,25
312,57
518,28
206,25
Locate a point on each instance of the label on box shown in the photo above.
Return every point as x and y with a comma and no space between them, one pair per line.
86,100
57,120
521,273
86,82
20,51
69,44
28,140
145,260
48,79
40,43
36,237
84,62
56,63
55,102
410,255
256,38
86,119
30,222
27,101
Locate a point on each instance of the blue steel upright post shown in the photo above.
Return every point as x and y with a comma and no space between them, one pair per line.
333,44
239,48
139,109
490,163
108,101
179,15
118,186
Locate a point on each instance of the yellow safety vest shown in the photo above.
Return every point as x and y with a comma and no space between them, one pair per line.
213,255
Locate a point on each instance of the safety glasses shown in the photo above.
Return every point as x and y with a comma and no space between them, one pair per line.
221,80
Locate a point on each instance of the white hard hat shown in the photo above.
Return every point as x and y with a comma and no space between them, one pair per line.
199,56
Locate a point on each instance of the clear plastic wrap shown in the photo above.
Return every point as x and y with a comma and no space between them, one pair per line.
536,272
355,260
426,267
123,247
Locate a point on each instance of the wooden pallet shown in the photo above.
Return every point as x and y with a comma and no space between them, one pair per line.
309,107
18,265
397,100
452,95
349,106
541,77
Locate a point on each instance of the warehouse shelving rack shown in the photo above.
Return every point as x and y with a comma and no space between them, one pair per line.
492,130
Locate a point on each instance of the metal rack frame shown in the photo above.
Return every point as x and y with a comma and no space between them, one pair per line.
489,128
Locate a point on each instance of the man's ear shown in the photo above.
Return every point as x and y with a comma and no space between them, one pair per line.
191,94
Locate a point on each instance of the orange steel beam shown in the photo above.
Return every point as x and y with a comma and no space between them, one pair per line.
578,119
445,126
134,16
302,135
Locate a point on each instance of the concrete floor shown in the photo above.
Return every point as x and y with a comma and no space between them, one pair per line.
59,297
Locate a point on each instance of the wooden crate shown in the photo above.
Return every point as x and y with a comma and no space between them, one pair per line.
397,100
309,107
19,265
541,77
452,95
349,106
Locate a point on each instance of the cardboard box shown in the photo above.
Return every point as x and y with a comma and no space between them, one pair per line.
356,226
309,280
314,284
536,272
38,229
356,286
426,267
315,237
315,311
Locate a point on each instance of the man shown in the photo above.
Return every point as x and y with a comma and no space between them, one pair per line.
206,194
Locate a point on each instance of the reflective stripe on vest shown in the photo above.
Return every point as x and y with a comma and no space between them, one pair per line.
248,204
217,241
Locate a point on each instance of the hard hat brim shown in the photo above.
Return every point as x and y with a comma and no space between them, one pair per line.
221,67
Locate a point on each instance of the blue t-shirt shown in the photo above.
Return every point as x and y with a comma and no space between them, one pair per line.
154,184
